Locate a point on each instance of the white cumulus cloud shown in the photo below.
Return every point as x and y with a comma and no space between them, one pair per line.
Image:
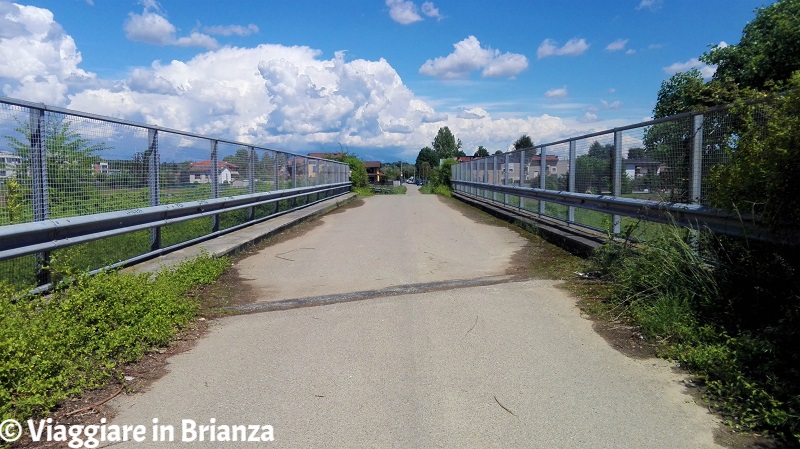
706,70
45,58
652,5
469,56
403,11
573,47
153,28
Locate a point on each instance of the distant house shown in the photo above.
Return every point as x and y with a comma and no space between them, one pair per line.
374,174
465,158
201,172
636,168
102,168
8,164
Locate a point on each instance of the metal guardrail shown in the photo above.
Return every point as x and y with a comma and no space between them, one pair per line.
656,171
76,179
690,215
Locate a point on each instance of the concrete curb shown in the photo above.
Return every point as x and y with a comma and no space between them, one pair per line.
237,241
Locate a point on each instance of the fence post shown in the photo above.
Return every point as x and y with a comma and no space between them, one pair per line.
505,178
152,181
572,153
616,164
251,180
275,171
697,159
41,206
214,183
542,176
521,176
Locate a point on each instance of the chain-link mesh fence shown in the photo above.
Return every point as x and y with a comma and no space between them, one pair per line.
56,163
666,161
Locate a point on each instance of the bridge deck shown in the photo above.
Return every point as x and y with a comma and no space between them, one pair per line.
504,363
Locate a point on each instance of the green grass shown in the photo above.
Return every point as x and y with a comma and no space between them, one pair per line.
54,347
705,316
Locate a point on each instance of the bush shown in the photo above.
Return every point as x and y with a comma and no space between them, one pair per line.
55,347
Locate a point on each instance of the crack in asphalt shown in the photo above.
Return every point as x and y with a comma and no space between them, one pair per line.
395,290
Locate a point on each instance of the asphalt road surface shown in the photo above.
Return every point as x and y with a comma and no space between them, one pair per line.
509,364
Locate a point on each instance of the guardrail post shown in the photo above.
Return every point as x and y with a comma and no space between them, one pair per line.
573,151
251,180
275,170
505,178
521,176
214,183
697,159
152,181
542,176
616,177
41,206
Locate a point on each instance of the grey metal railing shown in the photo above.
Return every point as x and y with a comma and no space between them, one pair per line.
614,180
84,191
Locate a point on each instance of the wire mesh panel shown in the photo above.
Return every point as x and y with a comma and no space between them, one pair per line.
16,195
593,163
233,169
556,176
185,172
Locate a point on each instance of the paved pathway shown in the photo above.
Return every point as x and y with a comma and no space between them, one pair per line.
506,365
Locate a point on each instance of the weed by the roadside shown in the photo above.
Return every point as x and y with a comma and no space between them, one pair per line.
53,347
694,304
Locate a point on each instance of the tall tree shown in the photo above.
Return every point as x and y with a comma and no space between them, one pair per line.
427,155
445,143
482,152
769,50
523,143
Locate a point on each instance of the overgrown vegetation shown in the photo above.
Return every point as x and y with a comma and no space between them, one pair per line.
54,347
728,309
729,314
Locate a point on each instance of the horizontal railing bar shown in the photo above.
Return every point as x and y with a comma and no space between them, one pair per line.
692,215
119,121
29,238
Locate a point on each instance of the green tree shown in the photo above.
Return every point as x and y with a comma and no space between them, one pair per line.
524,143
445,173
70,178
481,152
498,152
445,143
358,171
769,50
426,155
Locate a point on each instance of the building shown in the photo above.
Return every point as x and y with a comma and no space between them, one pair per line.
374,175
201,173
8,164
102,168
637,168
326,155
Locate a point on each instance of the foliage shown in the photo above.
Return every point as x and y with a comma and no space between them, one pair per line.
55,347
13,200
445,144
723,313
69,158
498,152
445,173
768,52
426,155
523,143
761,172
481,152
358,171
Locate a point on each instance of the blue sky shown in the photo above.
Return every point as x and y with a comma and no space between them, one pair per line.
378,77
